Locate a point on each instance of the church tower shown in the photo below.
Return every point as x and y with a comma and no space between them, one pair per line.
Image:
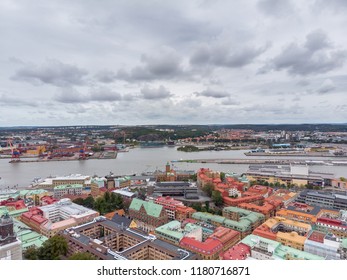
10,246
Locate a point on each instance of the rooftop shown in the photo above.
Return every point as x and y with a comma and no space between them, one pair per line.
152,209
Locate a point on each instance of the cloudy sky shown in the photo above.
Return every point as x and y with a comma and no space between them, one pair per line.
172,62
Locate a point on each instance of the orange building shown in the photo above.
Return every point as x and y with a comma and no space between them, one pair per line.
238,252
287,232
207,250
34,219
259,190
171,175
184,212
267,209
175,209
227,236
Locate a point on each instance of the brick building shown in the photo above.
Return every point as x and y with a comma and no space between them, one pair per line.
147,214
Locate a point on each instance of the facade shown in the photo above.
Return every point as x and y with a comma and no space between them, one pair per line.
72,179
10,245
300,212
239,214
334,200
324,245
108,240
287,232
339,184
298,175
184,190
147,214
337,227
172,175
244,226
207,250
50,219
174,232
284,196
267,249
64,190
266,208
175,209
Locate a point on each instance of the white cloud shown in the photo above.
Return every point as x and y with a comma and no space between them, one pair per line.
180,62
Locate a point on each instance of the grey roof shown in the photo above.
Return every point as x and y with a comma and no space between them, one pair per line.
314,211
319,194
121,220
174,248
151,178
173,184
84,239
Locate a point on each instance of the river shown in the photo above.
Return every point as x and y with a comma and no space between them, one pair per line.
137,160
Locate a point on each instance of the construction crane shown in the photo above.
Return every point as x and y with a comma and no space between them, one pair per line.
15,153
83,151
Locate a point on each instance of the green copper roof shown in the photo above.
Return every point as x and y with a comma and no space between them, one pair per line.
27,236
242,225
189,227
344,243
13,213
151,208
3,210
23,193
171,229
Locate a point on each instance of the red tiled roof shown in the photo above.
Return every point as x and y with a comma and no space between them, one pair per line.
209,247
238,252
317,236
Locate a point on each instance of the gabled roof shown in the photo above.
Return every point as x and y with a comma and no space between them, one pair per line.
151,208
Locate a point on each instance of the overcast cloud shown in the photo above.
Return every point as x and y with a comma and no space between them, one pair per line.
176,62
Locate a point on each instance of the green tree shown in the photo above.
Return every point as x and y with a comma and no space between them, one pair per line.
79,201
252,183
107,197
196,206
193,177
100,205
208,189
207,205
217,198
31,254
222,176
82,256
53,248
89,202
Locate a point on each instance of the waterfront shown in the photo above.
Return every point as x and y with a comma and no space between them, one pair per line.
136,161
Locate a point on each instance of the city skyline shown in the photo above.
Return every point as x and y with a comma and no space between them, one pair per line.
200,62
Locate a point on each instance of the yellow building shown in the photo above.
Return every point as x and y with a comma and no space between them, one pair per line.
291,239
287,232
297,216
